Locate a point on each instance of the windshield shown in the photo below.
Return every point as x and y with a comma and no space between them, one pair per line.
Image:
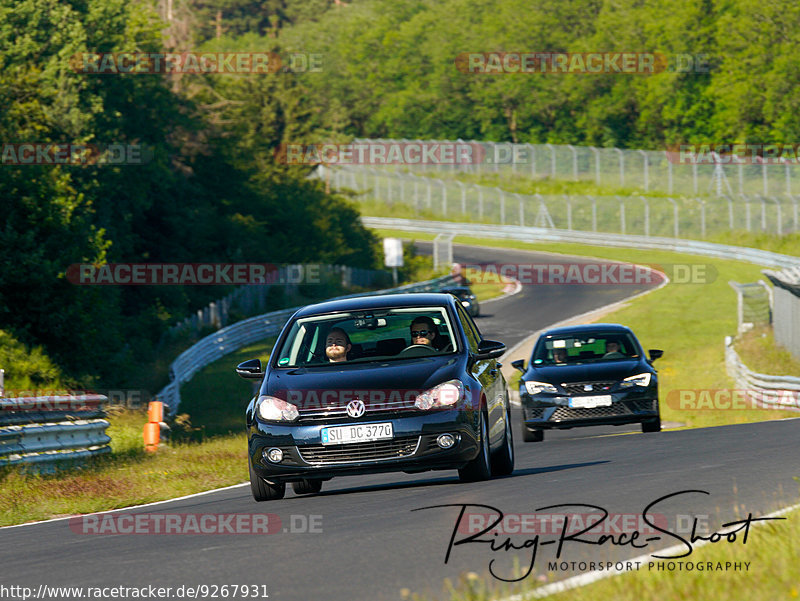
360,336
589,348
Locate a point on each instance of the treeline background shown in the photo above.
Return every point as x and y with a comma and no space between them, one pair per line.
213,191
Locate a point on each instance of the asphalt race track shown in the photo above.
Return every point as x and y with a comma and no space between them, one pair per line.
369,542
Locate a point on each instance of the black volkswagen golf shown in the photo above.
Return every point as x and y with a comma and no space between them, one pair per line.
400,382
588,375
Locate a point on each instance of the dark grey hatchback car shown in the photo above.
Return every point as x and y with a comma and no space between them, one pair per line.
588,375
373,384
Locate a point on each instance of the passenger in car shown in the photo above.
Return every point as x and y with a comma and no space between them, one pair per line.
337,345
559,356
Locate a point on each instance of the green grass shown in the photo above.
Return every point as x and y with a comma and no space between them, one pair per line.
758,350
688,321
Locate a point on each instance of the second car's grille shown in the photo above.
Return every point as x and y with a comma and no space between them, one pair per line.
360,451
577,388
626,408
567,413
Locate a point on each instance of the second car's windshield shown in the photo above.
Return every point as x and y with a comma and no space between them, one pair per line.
360,336
590,348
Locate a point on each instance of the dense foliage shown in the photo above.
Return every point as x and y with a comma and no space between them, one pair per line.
201,196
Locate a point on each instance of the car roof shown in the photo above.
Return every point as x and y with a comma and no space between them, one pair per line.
588,328
383,301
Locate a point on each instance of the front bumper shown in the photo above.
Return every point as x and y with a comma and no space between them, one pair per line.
412,448
543,411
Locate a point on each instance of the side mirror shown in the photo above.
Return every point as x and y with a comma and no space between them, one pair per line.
490,349
250,369
655,353
519,364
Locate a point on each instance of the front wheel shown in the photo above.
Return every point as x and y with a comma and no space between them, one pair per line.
532,435
503,459
479,468
263,490
307,487
652,425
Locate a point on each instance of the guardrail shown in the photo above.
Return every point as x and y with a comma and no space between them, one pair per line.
251,330
540,234
44,430
771,392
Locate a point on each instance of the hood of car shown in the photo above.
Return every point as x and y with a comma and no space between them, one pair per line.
333,383
587,372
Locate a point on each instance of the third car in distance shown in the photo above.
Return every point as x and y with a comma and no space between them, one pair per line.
588,375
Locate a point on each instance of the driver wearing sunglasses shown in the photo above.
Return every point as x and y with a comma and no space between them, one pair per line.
423,331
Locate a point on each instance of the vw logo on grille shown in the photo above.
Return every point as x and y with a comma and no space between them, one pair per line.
587,387
356,408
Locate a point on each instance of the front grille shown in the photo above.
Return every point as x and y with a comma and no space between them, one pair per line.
335,411
584,412
360,451
579,388
625,408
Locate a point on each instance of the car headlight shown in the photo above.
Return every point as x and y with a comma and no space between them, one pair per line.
637,380
466,303
534,387
276,410
445,394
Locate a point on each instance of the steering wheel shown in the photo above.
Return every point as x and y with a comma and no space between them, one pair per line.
416,350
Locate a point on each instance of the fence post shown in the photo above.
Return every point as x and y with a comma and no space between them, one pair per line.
552,160
574,162
646,171
646,216
621,214
596,153
569,211
502,206
621,167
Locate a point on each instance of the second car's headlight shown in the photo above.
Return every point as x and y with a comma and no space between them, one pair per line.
534,387
637,380
443,395
277,410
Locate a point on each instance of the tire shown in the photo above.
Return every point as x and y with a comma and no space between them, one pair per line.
307,487
652,425
503,459
479,468
263,490
532,435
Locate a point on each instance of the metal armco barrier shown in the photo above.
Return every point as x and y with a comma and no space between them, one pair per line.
40,430
771,392
248,331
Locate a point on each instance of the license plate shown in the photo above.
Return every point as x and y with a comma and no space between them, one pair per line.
588,402
356,433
